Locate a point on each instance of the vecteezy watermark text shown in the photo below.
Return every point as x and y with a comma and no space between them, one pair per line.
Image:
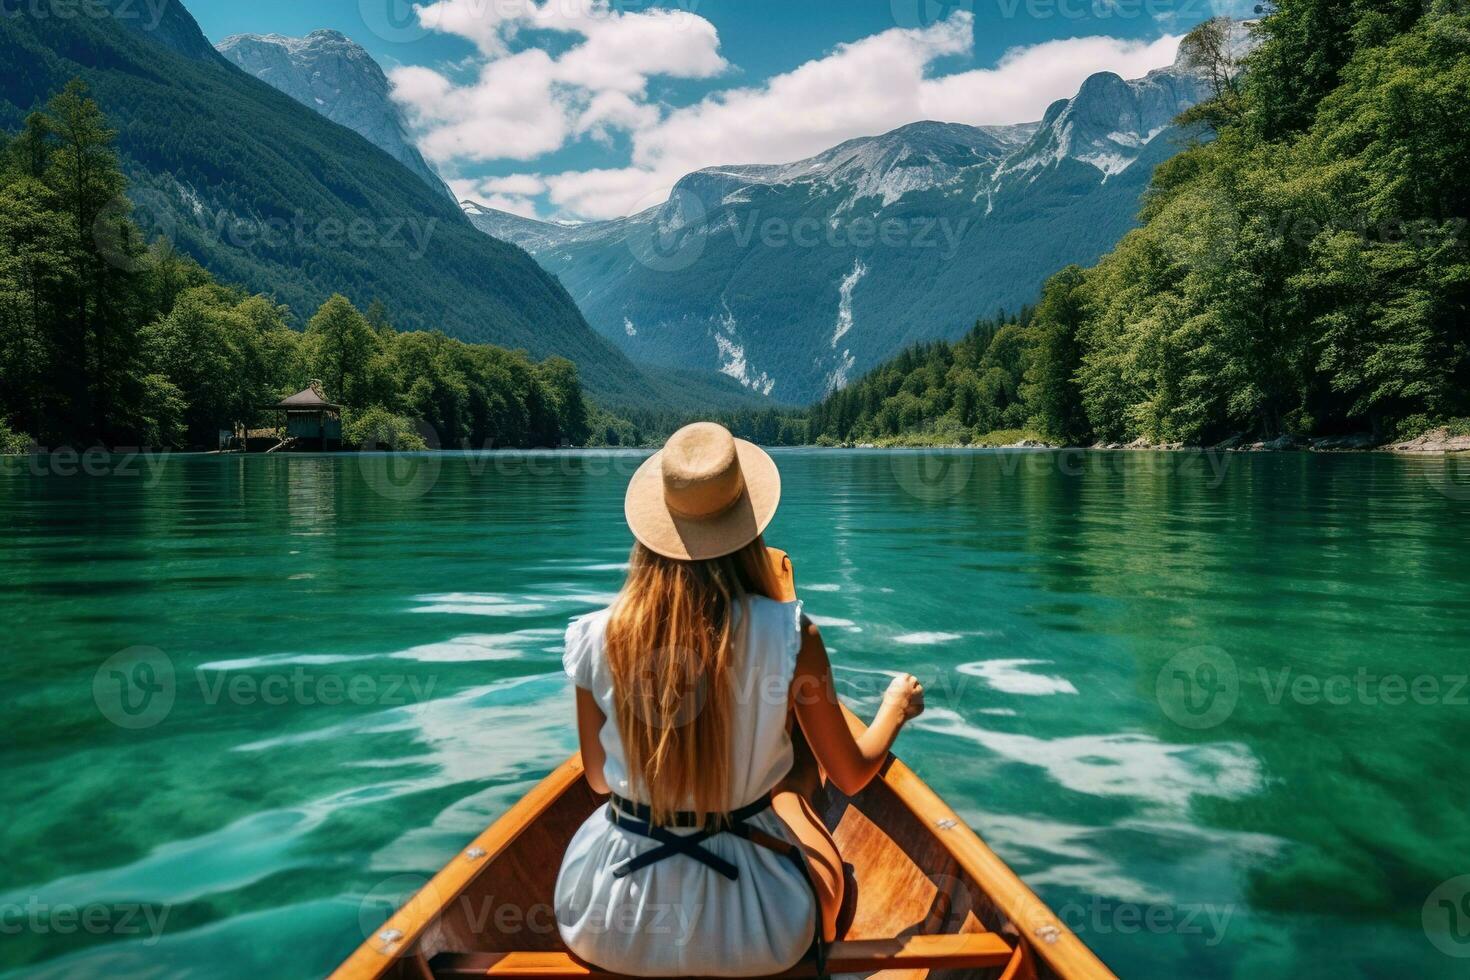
137,688
36,917
148,12
935,475
926,13
159,214
405,21
1201,688
919,232
306,688
675,237
1365,687
408,234
666,923
1102,916
121,462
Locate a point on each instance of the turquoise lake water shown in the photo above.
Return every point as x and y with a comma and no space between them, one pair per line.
1212,708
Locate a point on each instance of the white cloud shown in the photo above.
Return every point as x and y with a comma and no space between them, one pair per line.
607,193
516,193
529,103
1027,80
423,89
609,111
622,52
860,89
462,189
523,206
527,184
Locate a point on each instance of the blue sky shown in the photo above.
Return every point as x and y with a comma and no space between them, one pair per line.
585,109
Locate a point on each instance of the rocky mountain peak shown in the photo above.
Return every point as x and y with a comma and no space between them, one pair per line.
1108,122
329,72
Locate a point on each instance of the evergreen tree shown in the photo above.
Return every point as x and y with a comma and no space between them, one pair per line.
340,346
1050,390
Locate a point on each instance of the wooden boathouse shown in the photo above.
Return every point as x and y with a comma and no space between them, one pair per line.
311,424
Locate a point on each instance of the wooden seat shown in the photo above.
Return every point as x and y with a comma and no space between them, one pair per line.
972,951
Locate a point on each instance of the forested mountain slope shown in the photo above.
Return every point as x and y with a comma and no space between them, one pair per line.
268,194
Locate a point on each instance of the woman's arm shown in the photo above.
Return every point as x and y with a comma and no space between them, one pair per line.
590,720
850,762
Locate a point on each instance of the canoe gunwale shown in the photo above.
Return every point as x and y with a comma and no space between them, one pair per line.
408,926
1046,936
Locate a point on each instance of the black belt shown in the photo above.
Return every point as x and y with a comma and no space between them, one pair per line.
637,818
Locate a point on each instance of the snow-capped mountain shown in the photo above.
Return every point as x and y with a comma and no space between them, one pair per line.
1108,122
331,73
795,278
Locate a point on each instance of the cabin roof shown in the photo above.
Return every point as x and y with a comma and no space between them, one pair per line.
308,398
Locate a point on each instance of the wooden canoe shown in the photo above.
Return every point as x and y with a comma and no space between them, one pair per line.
927,897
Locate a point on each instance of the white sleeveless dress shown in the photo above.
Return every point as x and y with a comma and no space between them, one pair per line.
679,917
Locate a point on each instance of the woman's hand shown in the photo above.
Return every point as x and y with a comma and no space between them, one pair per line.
906,696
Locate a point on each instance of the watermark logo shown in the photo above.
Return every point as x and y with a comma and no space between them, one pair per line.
955,900
135,688
398,21
1448,474
397,471
671,237
1198,688
1446,917
916,14
932,476
382,901
112,228
670,709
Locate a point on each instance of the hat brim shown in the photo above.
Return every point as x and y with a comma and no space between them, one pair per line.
694,539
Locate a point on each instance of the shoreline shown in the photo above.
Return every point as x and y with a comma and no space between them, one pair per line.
1033,446
1436,442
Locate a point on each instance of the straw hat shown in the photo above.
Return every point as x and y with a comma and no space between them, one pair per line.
705,494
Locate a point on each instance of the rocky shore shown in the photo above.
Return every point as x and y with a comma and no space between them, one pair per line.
1435,441
1440,440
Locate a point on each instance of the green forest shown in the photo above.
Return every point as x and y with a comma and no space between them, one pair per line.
105,340
1301,269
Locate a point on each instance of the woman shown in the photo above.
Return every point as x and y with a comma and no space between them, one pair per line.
709,859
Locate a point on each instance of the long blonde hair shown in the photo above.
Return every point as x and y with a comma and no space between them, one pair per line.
670,641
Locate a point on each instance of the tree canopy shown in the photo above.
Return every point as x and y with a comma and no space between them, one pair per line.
106,340
1301,269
